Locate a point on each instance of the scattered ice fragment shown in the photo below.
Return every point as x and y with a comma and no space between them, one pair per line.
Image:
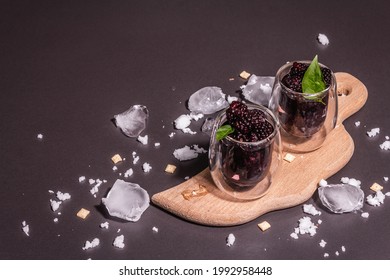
357,124
196,116
126,200
188,130
351,181
91,244
343,248
365,215
306,226
143,139
26,228
146,167
155,229
135,158
207,100
319,221
385,145
119,242
326,255
128,173
310,209
207,126
81,179
230,99
387,137
157,144
258,89
55,220
385,179
199,150
63,196
104,225
133,121
55,204
95,189
323,39
186,153
182,121
171,134
91,181
323,183
294,235
114,168
337,253
344,180
230,240
40,136
373,132
340,198
323,243
377,199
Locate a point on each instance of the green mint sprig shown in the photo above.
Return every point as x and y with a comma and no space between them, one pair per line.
224,131
313,81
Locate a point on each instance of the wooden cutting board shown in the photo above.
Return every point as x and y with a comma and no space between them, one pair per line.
296,181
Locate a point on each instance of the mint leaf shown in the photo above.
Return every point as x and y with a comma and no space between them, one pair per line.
224,131
312,81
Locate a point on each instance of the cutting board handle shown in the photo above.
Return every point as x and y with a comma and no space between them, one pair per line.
352,95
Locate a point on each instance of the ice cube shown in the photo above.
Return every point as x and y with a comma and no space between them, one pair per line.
258,89
126,201
340,198
207,100
133,121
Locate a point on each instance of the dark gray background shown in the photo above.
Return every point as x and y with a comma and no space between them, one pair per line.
67,67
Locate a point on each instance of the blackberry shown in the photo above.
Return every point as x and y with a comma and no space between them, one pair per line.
298,69
293,82
242,125
249,125
237,111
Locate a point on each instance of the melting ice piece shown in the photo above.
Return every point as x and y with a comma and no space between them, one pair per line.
133,121
340,198
126,201
258,89
207,100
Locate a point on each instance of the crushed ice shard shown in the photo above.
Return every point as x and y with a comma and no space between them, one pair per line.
258,89
133,121
341,198
207,100
126,201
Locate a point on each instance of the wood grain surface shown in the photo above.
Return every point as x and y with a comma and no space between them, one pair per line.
295,183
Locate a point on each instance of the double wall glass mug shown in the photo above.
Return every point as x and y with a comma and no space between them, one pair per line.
245,170
305,119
